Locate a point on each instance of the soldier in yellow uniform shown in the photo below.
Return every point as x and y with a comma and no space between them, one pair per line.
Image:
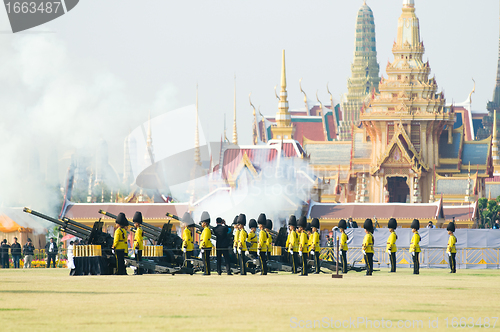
314,248
120,245
269,227
187,239
205,243
292,244
262,246
236,239
343,244
451,249
138,240
391,243
253,239
415,245
242,243
368,246
303,248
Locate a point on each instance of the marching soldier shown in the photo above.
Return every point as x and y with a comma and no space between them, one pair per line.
138,240
303,249
205,243
269,227
252,239
262,247
187,239
391,243
314,248
242,243
343,244
120,245
415,245
292,244
368,246
451,249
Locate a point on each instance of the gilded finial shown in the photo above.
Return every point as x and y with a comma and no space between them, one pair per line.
305,96
235,133
197,158
255,125
283,73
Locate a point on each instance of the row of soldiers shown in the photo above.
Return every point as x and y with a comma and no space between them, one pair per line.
391,248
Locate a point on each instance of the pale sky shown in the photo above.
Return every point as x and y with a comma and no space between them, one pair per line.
97,71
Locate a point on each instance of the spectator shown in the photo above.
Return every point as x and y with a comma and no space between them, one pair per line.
430,225
496,225
352,224
28,249
4,249
15,250
329,241
71,261
51,249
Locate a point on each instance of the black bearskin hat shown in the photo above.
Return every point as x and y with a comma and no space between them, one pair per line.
252,223
262,219
121,219
242,219
137,217
292,221
269,224
205,217
302,222
368,225
186,218
315,223
309,227
392,223
235,220
342,224
451,227
415,224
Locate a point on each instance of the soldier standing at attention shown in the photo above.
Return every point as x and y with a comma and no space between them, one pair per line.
451,249
242,243
269,227
343,244
205,243
236,239
120,245
391,243
315,250
368,246
138,240
252,239
303,249
262,247
187,239
415,245
292,244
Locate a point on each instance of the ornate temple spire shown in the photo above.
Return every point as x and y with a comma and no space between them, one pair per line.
235,133
494,141
149,156
197,158
255,126
408,27
283,128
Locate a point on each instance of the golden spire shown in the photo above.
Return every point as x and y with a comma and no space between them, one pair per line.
149,142
197,158
494,141
283,128
255,127
235,133
333,109
408,27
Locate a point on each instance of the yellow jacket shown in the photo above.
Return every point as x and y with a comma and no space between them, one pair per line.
269,242
343,242
263,240
292,241
120,239
368,243
303,242
252,238
205,242
243,240
451,245
415,243
236,238
138,240
391,242
314,242
187,239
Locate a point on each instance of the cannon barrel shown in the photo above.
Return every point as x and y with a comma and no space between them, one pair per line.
198,227
72,222
76,229
149,230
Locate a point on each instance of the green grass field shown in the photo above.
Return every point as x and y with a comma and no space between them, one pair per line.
50,300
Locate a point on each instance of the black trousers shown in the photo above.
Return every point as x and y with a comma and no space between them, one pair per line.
120,262
242,260
317,264
392,256
416,263
223,252
206,261
369,263
268,255
187,255
5,261
295,261
343,256
453,262
51,257
263,263
304,271
138,257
